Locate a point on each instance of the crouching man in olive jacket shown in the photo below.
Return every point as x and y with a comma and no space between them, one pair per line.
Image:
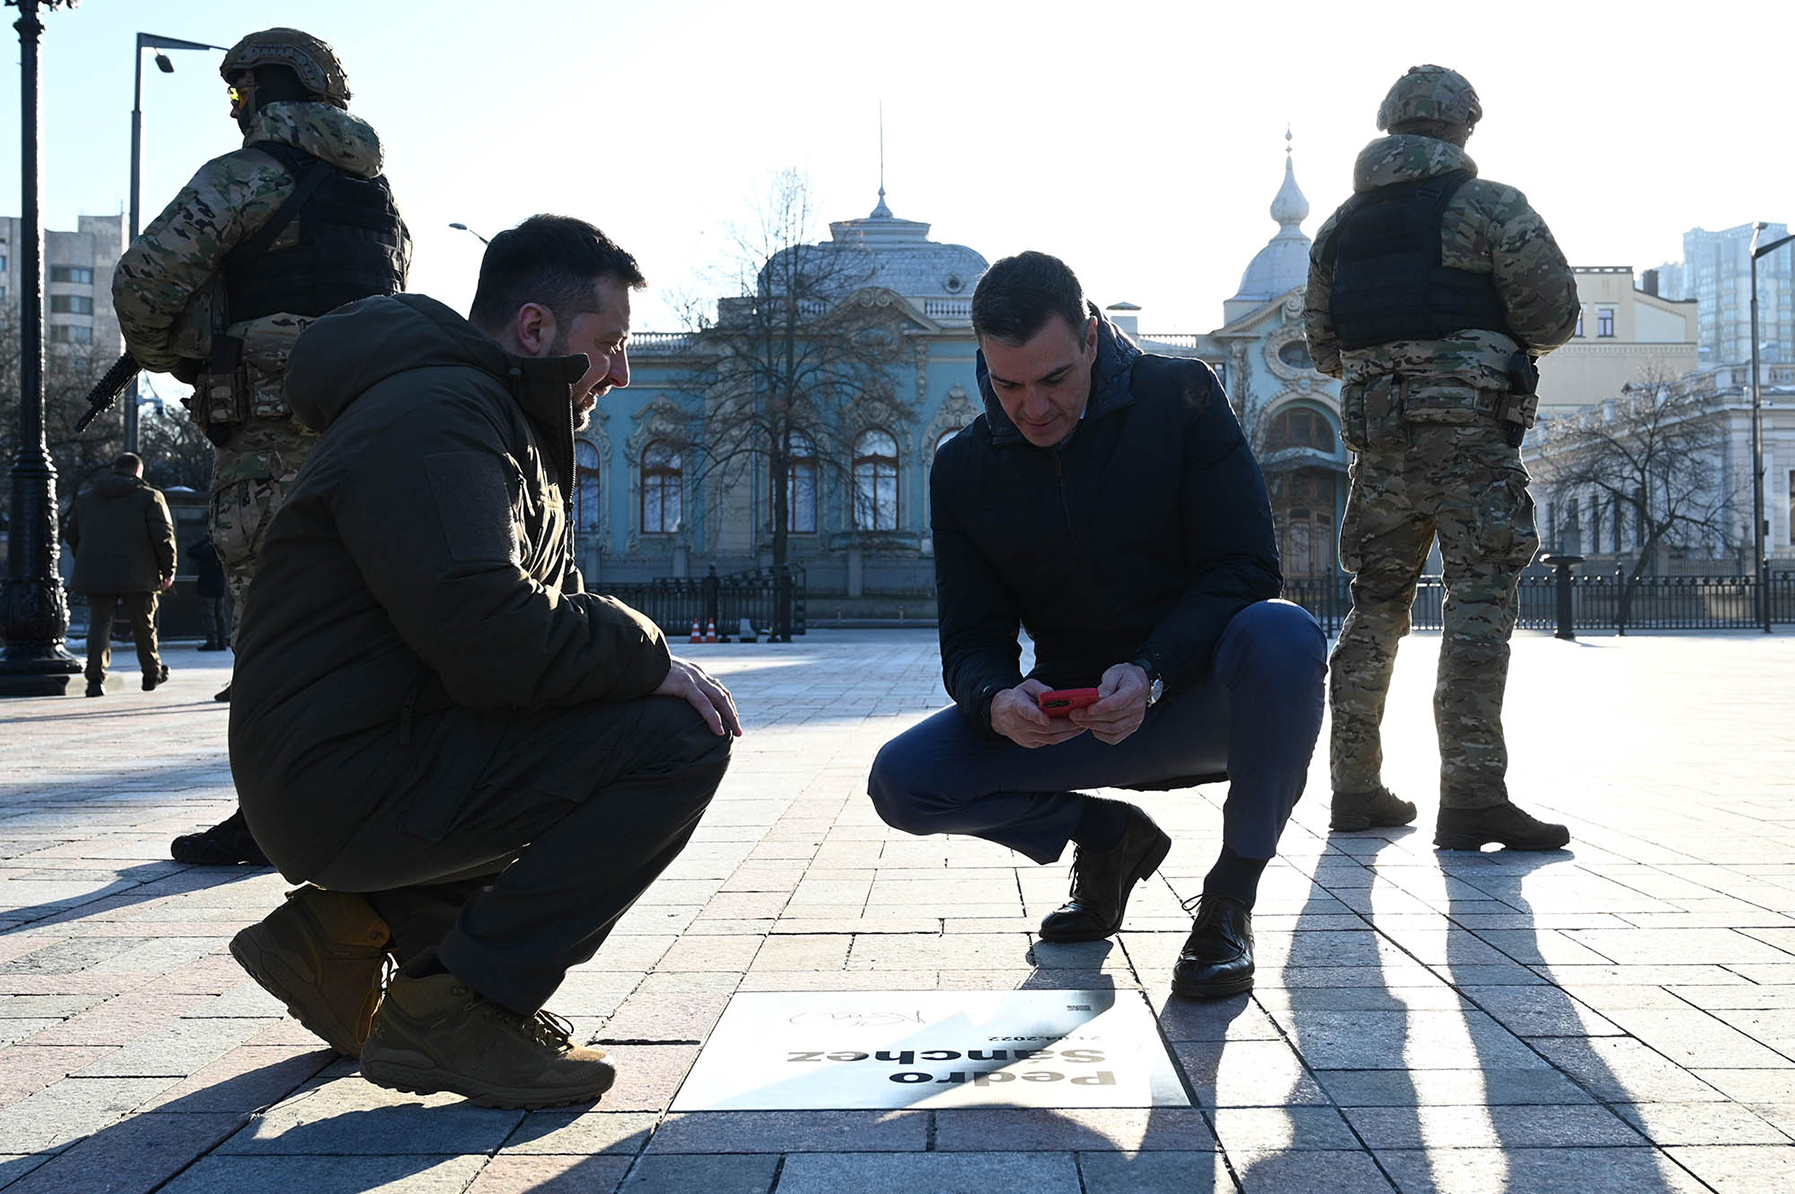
471,763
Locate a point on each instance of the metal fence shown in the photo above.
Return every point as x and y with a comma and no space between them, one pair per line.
1657,602
771,600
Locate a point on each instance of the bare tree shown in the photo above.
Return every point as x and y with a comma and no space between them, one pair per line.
1654,451
175,451
798,363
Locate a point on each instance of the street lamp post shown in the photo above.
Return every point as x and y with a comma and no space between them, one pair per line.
36,615
1760,559
471,233
146,41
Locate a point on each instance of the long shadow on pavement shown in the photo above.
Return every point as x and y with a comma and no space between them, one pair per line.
1431,1081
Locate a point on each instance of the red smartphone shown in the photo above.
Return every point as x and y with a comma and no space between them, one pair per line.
1057,702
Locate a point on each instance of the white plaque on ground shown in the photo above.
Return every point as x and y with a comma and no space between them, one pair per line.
816,1050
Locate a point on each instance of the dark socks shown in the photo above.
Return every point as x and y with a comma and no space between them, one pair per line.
1235,876
1102,823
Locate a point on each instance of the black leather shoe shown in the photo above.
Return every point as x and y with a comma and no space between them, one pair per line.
151,679
1103,879
96,688
1217,958
1362,810
223,694
1504,824
225,844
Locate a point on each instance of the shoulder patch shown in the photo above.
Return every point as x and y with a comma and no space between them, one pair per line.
473,505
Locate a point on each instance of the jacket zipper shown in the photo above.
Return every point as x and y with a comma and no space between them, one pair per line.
1059,473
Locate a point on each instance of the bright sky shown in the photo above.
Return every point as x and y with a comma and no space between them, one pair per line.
1142,142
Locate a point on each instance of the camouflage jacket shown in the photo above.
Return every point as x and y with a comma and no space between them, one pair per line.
168,280
1488,228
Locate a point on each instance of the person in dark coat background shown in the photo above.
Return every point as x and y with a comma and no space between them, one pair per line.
212,592
124,543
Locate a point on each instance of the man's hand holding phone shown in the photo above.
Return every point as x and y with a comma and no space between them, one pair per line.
1016,714
1121,705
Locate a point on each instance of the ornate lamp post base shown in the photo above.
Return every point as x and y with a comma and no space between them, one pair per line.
36,616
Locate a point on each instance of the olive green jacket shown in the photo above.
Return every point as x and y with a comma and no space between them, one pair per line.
123,538
419,574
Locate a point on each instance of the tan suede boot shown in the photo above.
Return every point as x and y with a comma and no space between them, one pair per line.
323,954
436,1033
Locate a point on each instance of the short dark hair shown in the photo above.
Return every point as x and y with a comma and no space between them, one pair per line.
128,462
553,261
1018,295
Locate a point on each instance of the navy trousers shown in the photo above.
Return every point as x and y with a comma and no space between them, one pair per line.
1253,717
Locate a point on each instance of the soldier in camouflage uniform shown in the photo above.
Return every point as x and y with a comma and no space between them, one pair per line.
219,286
1430,294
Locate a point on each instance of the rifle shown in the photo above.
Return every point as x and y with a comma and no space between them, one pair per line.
106,391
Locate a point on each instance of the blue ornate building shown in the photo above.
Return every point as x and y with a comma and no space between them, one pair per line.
859,526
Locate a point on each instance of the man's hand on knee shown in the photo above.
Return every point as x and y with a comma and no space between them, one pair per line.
1016,714
693,685
1121,705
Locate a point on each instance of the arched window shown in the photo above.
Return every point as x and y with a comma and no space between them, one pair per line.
1300,427
585,489
800,487
943,438
1302,508
875,481
662,486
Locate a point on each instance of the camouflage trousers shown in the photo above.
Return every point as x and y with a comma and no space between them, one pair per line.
241,512
1467,485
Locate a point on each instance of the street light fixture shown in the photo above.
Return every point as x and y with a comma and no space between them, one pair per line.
471,233
1760,559
36,615
146,41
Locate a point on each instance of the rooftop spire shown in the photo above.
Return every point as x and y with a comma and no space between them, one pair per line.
1289,208
881,211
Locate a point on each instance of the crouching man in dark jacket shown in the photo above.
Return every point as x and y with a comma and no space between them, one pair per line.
471,763
1107,501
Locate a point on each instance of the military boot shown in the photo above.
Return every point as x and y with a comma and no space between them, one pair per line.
1504,824
435,1033
1362,810
323,954
225,844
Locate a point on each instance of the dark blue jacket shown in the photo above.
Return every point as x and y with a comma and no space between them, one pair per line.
1140,536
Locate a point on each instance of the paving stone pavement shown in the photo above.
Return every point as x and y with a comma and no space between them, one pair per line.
1620,1015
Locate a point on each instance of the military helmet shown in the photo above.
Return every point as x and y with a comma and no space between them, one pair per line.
1430,93
312,60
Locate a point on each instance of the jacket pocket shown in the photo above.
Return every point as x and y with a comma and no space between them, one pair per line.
1506,531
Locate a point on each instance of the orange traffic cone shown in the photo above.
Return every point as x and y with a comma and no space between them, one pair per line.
696,637
710,632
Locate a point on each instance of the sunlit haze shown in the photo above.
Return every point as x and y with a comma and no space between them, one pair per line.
1142,142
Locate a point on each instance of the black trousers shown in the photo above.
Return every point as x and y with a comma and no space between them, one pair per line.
217,621
1253,717
101,609
523,876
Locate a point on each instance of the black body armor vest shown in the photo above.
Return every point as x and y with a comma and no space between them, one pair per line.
1388,280
351,243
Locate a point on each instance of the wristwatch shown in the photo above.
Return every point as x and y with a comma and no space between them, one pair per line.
1156,687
